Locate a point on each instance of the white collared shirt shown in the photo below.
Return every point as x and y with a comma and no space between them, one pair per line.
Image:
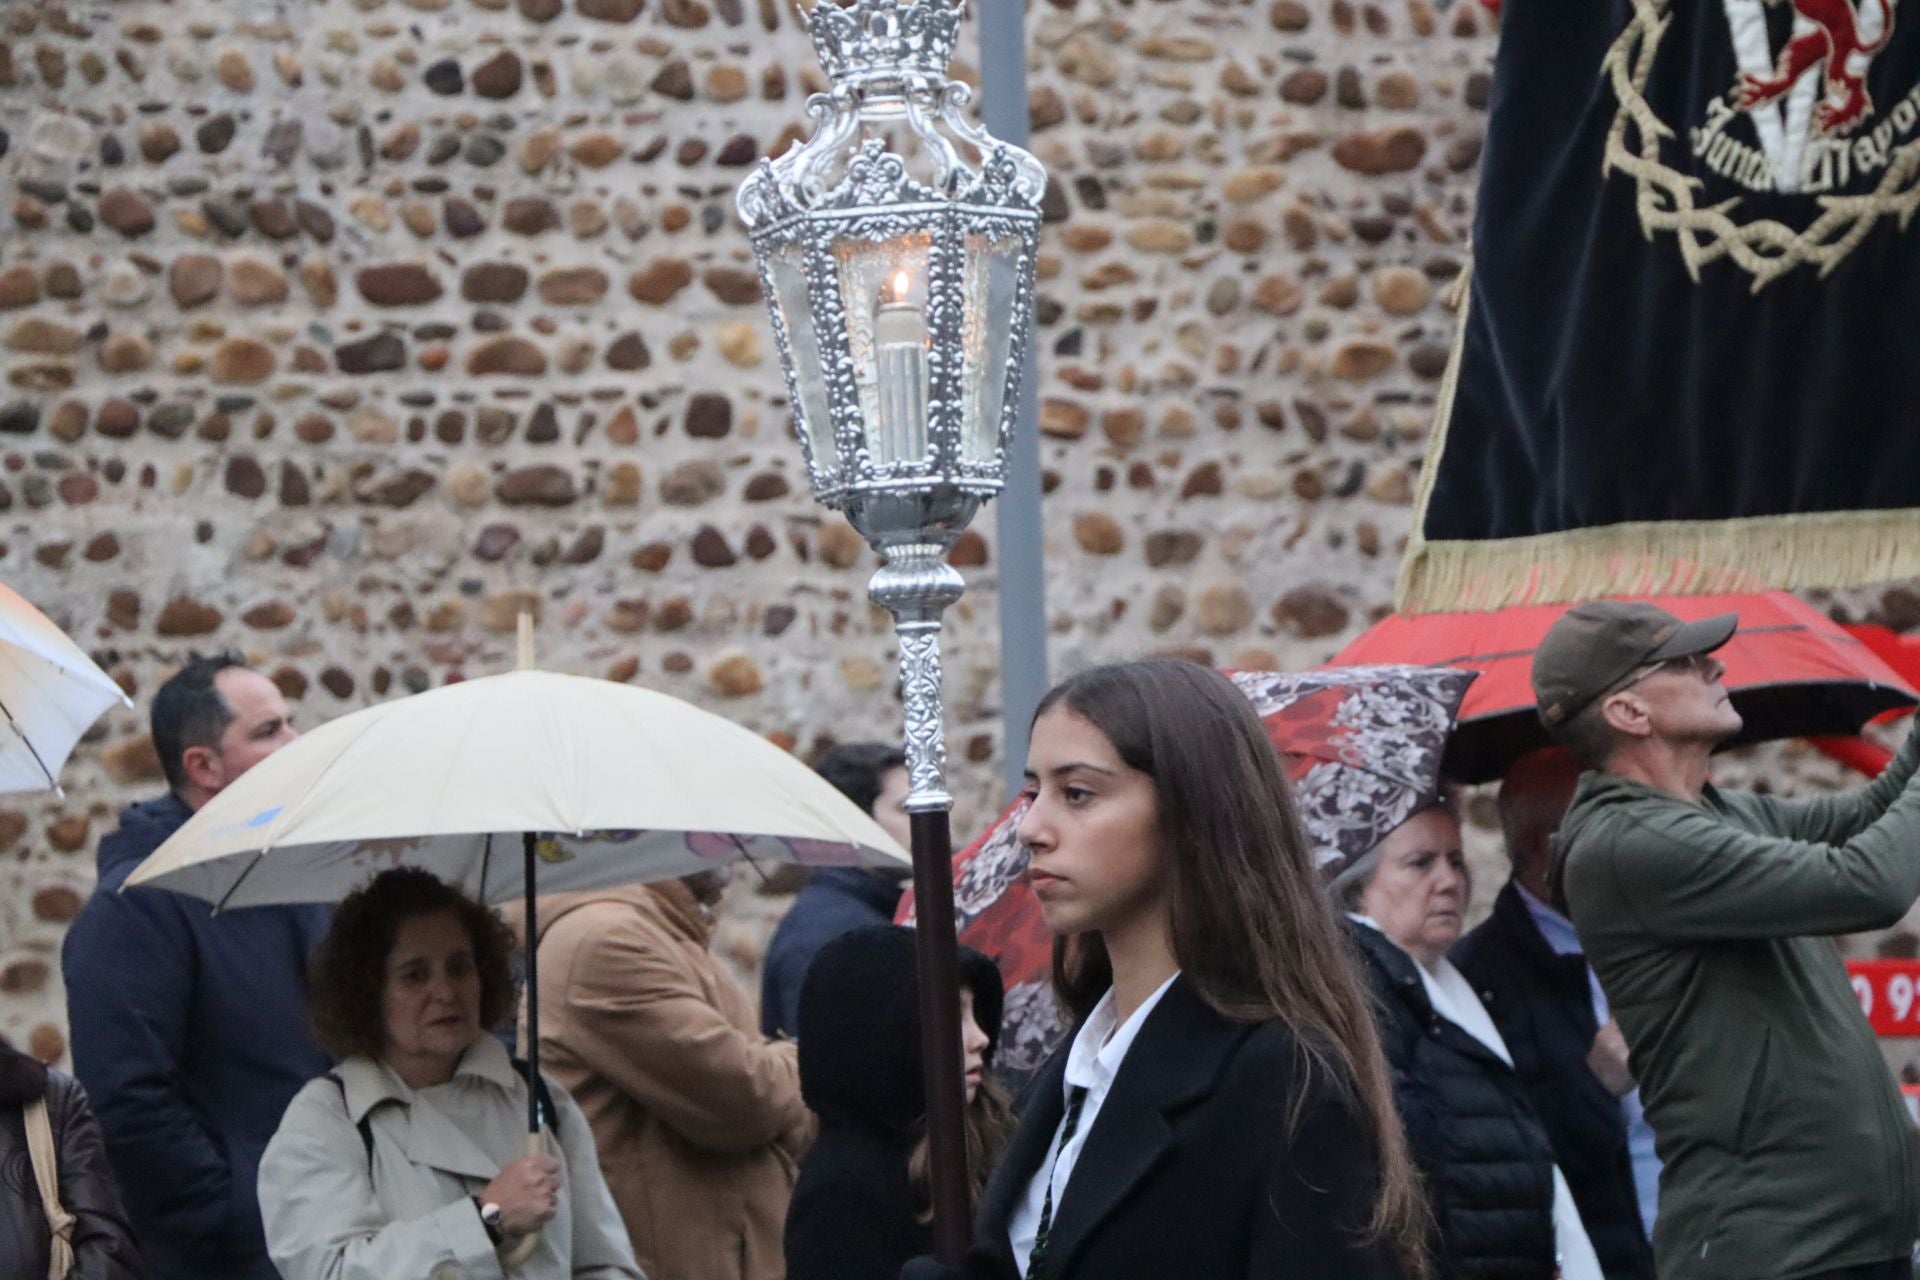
1092,1063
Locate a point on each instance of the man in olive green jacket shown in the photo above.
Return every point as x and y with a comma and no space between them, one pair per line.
1708,917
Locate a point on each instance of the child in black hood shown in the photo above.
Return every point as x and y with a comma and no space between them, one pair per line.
860,1209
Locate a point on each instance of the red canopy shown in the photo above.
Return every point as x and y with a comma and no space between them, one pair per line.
1793,672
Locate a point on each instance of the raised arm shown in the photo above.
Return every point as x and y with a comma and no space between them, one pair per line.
1694,877
1838,817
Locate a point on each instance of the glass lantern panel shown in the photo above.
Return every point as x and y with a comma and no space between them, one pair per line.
787,266
992,282
883,284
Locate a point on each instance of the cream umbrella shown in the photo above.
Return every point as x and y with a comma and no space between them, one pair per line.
603,783
592,783
50,692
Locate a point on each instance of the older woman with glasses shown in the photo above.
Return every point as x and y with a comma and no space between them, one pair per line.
1502,1210
408,1160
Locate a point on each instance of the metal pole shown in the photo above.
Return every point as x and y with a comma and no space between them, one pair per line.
1023,583
915,585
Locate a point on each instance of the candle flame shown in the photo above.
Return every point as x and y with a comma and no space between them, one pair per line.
902,285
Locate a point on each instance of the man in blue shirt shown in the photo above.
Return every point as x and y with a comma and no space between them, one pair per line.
190,1030
1526,963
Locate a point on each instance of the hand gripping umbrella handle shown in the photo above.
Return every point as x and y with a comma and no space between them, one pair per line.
512,1255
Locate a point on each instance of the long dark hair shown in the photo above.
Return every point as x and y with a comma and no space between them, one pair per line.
987,1122
1253,930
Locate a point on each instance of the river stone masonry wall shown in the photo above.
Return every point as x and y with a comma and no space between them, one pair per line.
342,331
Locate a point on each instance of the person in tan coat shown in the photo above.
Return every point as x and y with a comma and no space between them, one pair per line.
698,1118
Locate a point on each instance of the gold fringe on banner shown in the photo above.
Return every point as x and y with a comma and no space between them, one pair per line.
1649,557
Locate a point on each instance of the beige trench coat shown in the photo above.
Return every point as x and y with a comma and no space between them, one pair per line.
698,1119
410,1216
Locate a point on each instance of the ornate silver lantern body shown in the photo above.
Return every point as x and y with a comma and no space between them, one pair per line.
896,249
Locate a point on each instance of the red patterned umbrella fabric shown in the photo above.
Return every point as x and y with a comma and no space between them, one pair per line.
1362,748
1793,672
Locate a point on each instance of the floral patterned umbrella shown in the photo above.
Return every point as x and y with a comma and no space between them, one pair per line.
1362,748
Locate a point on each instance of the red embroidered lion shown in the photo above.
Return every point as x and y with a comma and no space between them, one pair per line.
1837,42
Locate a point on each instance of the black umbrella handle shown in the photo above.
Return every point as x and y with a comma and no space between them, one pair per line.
528,842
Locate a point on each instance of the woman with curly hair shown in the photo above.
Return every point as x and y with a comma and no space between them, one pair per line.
407,1160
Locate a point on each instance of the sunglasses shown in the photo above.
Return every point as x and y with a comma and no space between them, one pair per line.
1702,665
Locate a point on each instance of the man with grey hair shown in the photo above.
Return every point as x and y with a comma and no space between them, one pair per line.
1708,916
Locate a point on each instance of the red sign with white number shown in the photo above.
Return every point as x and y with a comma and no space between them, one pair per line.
1889,992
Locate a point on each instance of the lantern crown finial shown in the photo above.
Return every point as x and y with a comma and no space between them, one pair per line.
882,40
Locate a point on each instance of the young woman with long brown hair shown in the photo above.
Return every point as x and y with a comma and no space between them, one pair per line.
1223,1108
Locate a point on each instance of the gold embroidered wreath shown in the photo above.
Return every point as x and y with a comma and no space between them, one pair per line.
1766,248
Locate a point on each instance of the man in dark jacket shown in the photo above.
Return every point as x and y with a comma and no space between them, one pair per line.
1526,963
1708,915
837,900
190,1031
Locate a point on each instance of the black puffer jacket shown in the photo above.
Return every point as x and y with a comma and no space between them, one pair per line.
853,1215
102,1241
1543,1005
1481,1149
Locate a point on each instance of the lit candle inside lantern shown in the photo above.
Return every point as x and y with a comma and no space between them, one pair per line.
900,350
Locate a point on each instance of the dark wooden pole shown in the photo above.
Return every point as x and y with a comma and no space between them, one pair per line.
528,843
940,1033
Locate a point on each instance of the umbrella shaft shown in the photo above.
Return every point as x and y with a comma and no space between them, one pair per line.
940,1032
528,843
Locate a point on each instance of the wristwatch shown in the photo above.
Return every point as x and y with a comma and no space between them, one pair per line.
489,1218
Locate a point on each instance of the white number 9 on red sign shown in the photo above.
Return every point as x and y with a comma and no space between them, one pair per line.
1900,995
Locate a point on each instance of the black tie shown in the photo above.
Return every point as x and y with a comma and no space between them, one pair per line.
1076,1098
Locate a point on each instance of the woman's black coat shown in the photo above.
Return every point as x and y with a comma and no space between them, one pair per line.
853,1215
103,1246
1483,1152
1192,1170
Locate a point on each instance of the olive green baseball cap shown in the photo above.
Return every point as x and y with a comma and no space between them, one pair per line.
1595,645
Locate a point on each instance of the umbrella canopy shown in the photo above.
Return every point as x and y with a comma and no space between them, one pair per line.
1362,748
591,783
621,784
1791,670
50,693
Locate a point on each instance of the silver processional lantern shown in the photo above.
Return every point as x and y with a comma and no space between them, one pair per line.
896,251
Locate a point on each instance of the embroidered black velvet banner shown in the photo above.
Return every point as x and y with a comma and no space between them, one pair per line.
1689,358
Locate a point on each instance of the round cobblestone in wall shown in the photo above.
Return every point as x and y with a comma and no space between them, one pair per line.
339,336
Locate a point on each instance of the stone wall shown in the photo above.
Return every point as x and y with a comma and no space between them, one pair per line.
340,331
